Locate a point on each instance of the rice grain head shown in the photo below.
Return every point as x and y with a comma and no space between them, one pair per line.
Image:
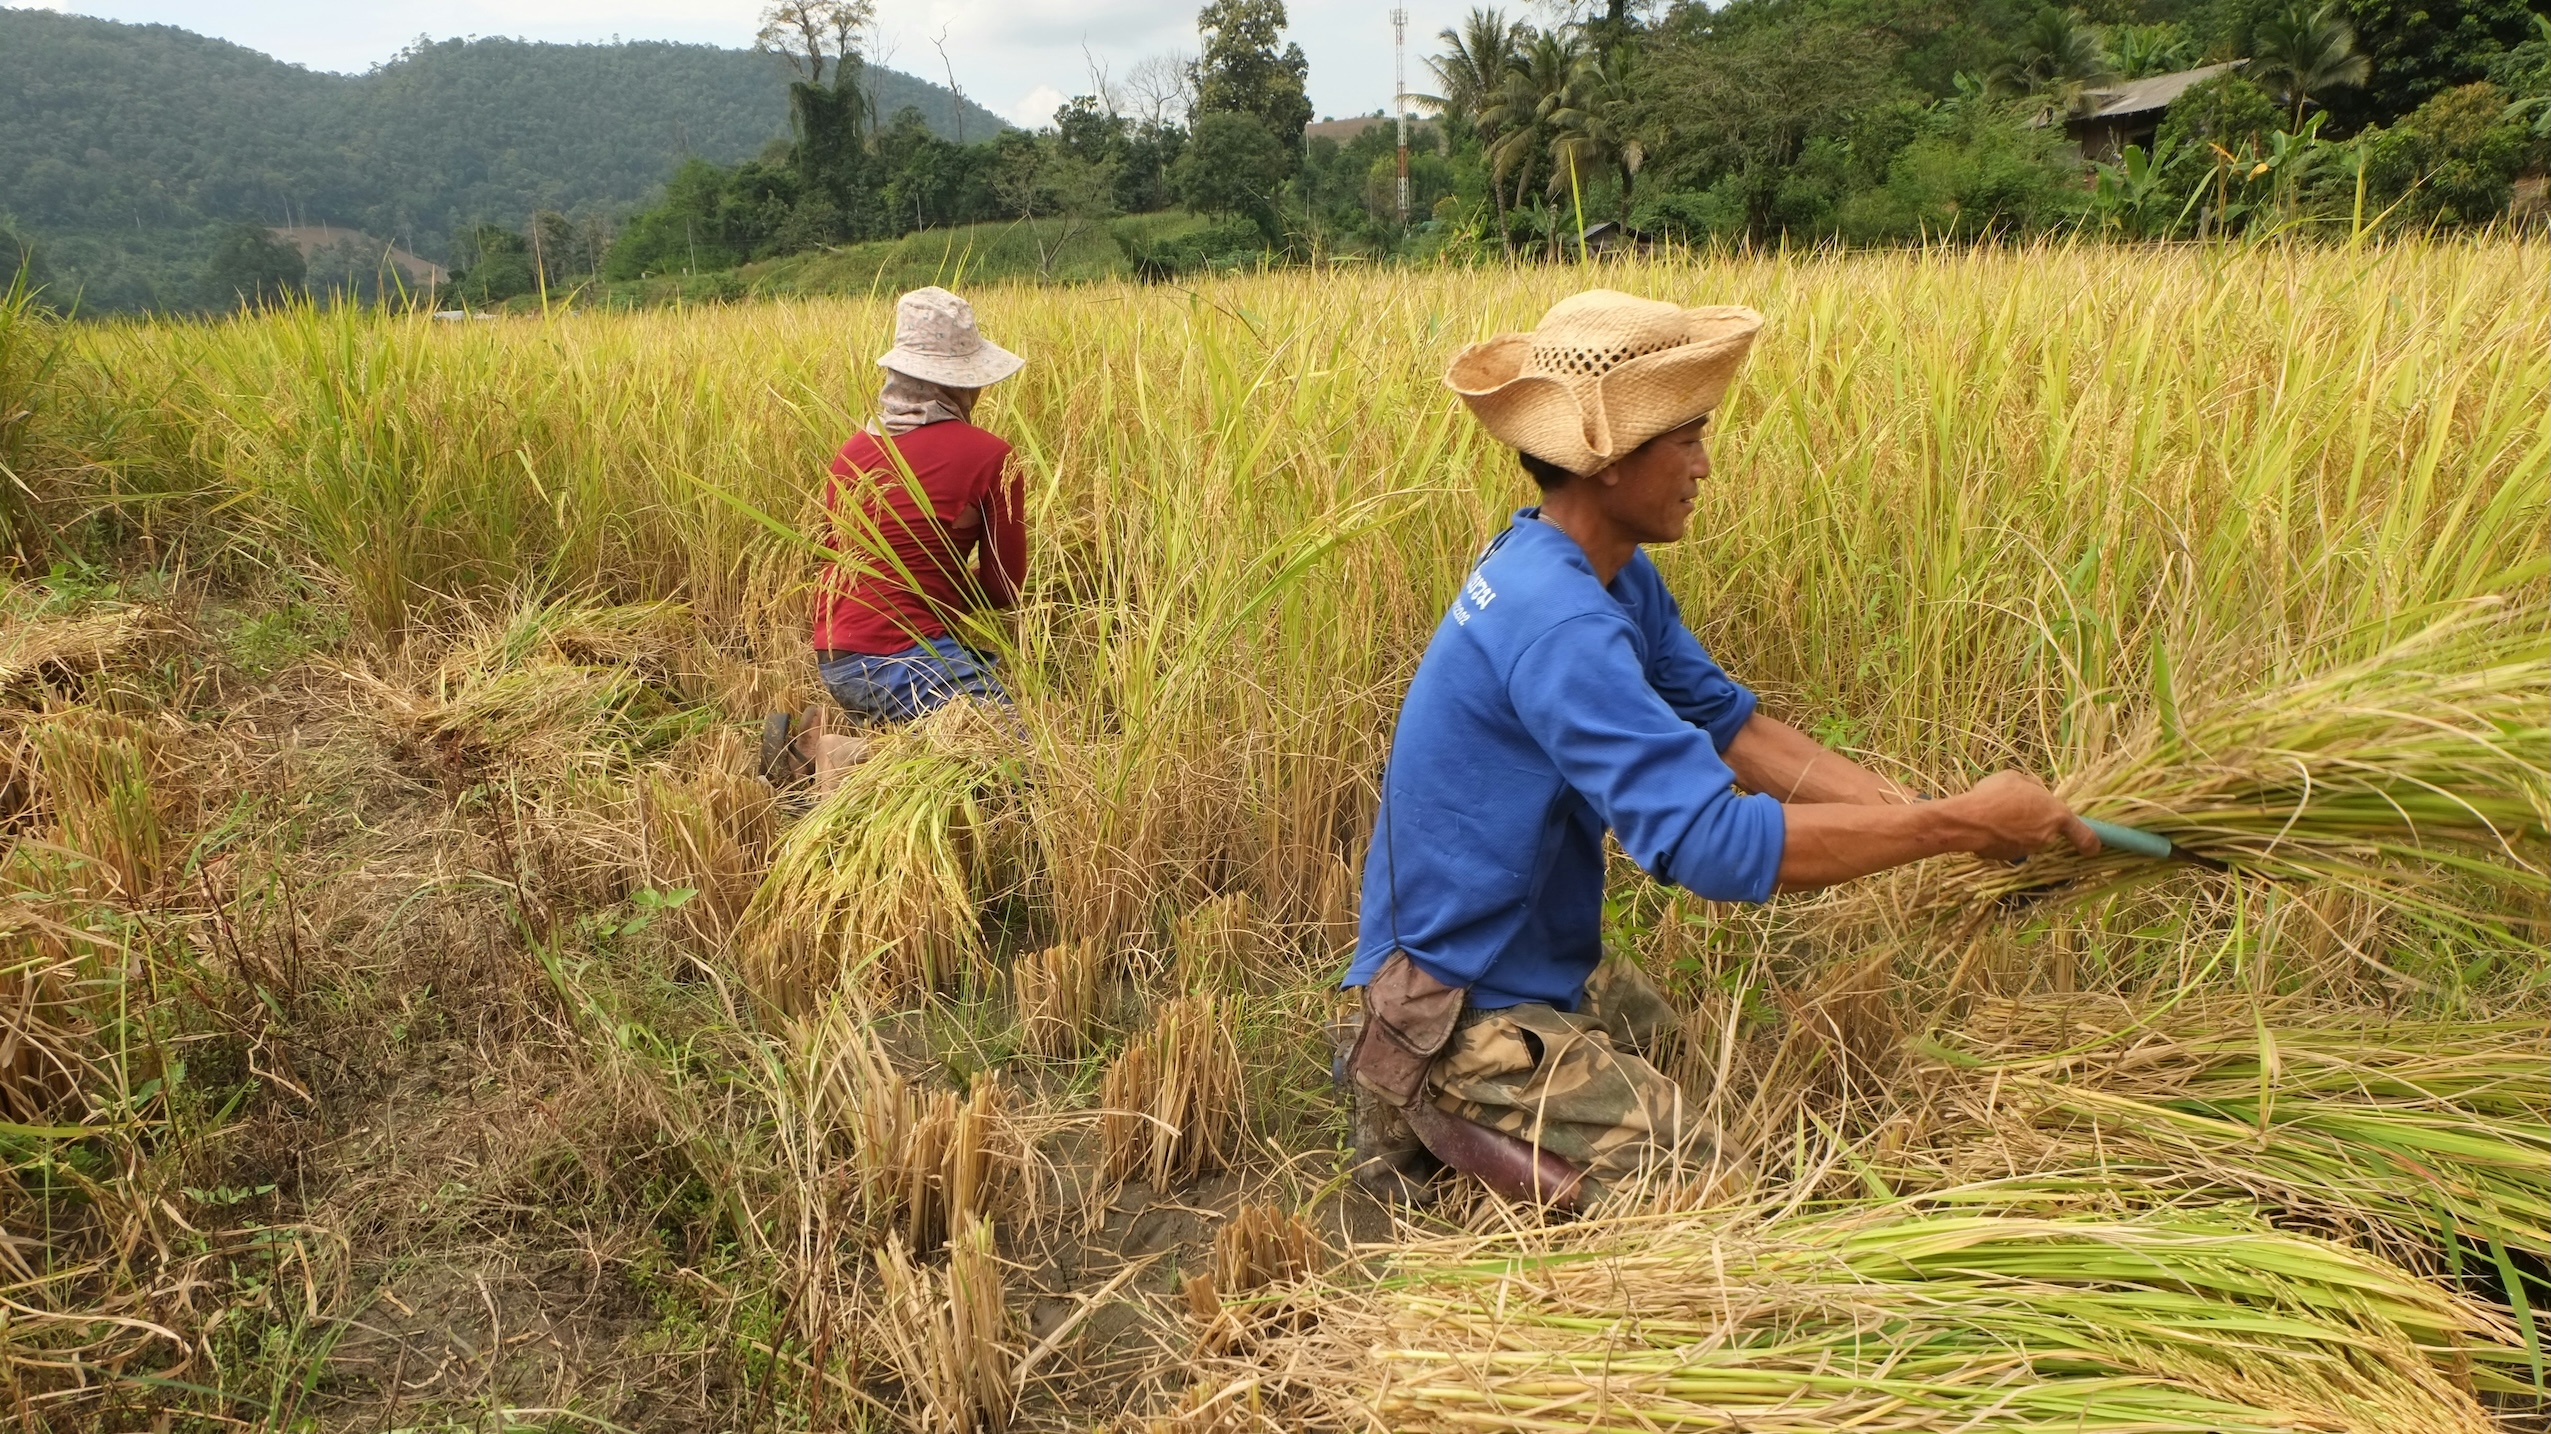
880,887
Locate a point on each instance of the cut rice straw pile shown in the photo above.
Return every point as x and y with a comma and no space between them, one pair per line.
882,882
2423,1139
1902,1318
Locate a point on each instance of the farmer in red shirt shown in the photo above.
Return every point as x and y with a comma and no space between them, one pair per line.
931,525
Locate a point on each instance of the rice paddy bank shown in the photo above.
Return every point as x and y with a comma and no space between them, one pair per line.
415,1014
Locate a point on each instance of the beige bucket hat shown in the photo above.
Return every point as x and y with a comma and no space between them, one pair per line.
936,340
1602,373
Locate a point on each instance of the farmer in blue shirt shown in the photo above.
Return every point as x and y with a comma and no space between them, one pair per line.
1561,697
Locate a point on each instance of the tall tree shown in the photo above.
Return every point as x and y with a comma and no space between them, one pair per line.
2304,51
1231,165
2418,49
2059,60
1591,121
816,35
1242,72
1535,91
1470,78
1474,62
1739,105
253,268
831,120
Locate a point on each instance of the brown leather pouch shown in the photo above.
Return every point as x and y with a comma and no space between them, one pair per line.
1408,1020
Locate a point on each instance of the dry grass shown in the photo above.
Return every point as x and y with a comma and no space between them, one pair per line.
62,647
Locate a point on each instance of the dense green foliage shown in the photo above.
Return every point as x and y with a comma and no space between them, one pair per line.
126,146
1755,122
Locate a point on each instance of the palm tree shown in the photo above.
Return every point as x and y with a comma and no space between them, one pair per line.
1474,62
1534,87
2059,59
1471,77
1590,118
2305,50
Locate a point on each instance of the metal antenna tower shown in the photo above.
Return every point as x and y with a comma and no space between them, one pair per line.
1399,99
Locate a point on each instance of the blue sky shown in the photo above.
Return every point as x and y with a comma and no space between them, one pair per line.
1018,58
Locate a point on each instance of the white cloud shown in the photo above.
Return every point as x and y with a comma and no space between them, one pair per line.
1035,109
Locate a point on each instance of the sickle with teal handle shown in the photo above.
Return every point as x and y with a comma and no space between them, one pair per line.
2144,843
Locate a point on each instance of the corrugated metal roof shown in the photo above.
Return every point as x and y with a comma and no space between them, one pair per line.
2152,92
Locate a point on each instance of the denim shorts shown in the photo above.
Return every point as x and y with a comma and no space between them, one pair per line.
912,683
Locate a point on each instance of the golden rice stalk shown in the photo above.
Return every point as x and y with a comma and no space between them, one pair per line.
550,690
34,645
2434,753
2007,1314
1059,991
48,1034
19,778
1210,1406
1258,1248
877,888
1341,900
2407,1134
909,1160
1262,1245
1171,1106
104,780
1218,946
947,1335
710,830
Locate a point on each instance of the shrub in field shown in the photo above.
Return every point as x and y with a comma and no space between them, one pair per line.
2454,159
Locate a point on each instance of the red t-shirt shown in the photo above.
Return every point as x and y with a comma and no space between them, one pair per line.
905,568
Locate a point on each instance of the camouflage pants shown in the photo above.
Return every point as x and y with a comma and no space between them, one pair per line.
1578,1084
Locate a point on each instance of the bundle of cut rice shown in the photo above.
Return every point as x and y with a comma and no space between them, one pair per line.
2007,1316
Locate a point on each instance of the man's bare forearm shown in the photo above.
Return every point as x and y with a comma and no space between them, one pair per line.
1778,760
1830,842
2004,817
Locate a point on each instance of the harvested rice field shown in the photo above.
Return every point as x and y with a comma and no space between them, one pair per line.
416,1013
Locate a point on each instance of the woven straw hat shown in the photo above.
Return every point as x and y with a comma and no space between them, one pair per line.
1603,373
935,339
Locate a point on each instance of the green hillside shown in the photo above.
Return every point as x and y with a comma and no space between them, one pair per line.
1067,251
122,145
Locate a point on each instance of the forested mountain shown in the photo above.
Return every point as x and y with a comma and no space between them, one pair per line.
121,144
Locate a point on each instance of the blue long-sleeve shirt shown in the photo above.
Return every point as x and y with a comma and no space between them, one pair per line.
1547,708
